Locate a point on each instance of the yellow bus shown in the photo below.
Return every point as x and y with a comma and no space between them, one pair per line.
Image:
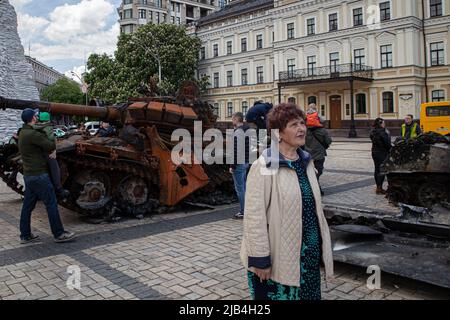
435,116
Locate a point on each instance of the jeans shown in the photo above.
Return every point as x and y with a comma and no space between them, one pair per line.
39,188
378,159
240,178
319,164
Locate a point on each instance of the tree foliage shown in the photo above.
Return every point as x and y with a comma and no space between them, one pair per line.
130,72
63,91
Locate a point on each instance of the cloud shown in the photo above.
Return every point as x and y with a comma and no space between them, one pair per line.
19,3
77,47
84,18
29,27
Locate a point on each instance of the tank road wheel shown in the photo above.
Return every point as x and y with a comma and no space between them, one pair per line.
431,193
397,194
95,190
134,196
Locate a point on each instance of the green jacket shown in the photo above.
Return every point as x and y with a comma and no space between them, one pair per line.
47,128
317,142
33,147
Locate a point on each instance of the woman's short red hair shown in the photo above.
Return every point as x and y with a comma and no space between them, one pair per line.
279,116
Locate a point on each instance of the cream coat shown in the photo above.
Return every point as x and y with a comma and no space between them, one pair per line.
273,220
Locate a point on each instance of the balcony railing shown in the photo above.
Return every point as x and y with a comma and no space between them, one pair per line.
338,71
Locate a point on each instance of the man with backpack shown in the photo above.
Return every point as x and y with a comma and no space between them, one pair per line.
317,142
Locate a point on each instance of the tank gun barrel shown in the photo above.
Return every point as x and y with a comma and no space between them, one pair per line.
107,113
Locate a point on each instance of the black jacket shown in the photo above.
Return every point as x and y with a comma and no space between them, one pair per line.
317,142
239,135
381,141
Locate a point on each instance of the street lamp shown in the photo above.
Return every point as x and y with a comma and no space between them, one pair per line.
84,86
154,55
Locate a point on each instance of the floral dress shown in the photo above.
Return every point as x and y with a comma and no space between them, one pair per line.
309,288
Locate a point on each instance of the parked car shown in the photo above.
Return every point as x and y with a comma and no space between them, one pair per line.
59,133
92,127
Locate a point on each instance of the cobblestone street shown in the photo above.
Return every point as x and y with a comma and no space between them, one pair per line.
180,255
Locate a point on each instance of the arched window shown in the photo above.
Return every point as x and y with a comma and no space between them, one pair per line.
291,99
312,99
361,103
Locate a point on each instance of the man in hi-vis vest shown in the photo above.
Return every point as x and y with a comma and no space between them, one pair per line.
410,129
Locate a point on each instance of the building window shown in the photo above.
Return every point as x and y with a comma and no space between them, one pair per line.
291,100
229,78
215,50
216,80
334,62
312,99
142,14
333,22
229,47
127,1
259,75
216,109
157,17
259,41
244,44
360,59
290,67
361,103
178,7
244,77
385,11
437,54
128,14
388,102
435,8
358,17
437,95
386,56
178,20
244,107
311,60
311,26
202,53
229,109
290,31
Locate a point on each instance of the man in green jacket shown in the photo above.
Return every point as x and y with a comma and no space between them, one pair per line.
33,146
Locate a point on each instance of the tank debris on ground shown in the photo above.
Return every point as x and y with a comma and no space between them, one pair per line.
131,172
418,170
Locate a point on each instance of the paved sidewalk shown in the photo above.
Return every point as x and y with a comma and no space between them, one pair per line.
180,255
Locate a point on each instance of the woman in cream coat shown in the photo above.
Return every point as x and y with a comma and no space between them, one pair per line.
286,236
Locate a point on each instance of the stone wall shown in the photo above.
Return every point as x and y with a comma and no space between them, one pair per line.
16,75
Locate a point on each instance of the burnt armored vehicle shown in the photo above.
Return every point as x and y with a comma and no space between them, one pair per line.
131,172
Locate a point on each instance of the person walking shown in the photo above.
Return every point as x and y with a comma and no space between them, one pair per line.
410,129
381,145
240,159
317,141
33,146
286,235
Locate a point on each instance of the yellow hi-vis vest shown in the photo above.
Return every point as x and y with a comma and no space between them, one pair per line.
413,131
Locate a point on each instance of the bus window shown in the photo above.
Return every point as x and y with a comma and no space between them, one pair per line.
441,111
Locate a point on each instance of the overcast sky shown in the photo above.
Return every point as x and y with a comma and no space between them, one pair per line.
61,33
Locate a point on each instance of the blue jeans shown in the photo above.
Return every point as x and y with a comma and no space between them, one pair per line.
240,178
39,188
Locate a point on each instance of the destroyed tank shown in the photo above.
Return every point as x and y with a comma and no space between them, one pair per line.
131,172
418,170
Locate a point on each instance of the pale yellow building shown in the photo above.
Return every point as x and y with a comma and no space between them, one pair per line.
316,50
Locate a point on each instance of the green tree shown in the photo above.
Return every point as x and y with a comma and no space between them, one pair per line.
64,91
135,63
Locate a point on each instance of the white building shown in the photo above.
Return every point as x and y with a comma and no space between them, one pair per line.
133,13
43,75
317,50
